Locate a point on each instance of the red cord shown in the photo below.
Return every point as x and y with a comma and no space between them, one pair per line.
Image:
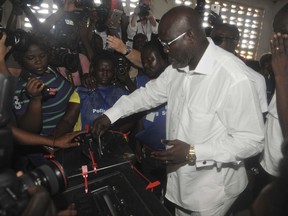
125,135
93,161
151,185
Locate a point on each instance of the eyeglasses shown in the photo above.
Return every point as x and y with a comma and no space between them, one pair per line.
219,39
166,45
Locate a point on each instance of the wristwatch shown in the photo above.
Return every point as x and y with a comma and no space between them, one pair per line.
128,50
191,157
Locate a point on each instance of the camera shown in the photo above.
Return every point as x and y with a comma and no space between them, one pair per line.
15,38
61,57
121,68
14,197
144,10
13,190
46,91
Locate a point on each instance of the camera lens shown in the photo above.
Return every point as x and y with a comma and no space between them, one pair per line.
121,66
144,10
51,176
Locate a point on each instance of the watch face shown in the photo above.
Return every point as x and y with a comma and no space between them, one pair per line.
192,157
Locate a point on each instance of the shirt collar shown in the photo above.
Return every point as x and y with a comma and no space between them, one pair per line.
205,65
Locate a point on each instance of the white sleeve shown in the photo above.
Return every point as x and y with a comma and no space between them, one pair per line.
152,95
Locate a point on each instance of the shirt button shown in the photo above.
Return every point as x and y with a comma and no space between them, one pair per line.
204,162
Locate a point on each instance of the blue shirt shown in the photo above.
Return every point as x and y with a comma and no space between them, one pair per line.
154,122
94,103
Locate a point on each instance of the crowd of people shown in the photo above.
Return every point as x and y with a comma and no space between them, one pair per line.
197,112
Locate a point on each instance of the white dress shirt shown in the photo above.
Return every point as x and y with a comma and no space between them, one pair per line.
216,108
273,140
260,85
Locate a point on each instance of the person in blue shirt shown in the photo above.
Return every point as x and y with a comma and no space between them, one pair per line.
151,127
93,102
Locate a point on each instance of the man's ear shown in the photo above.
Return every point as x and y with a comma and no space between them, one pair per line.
191,35
235,42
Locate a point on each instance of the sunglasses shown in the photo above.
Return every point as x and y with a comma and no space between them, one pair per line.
166,45
219,40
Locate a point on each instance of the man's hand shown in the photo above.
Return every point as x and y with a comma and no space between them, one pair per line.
279,49
3,48
117,44
100,125
175,153
88,81
68,140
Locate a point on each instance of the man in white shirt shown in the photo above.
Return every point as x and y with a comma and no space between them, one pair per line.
214,119
226,36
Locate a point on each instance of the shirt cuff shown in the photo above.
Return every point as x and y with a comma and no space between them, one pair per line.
113,114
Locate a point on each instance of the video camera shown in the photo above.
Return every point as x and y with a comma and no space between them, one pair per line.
13,190
61,57
15,38
144,10
121,68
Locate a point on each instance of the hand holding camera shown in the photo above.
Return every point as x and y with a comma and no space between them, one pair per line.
144,11
34,88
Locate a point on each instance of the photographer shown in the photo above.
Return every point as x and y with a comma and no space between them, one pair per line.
142,21
35,200
67,53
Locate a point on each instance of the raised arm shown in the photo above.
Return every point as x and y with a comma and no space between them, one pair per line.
279,49
3,52
117,44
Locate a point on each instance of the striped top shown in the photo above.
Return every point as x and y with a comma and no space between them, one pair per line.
54,107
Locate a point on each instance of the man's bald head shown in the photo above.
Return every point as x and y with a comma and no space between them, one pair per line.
178,20
183,37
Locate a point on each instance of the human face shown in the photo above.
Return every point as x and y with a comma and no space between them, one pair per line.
225,39
35,60
153,63
177,49
104,72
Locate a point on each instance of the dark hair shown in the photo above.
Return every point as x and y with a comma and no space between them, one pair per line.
37,39
233,28
136,38
103,55
155,45
267,57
